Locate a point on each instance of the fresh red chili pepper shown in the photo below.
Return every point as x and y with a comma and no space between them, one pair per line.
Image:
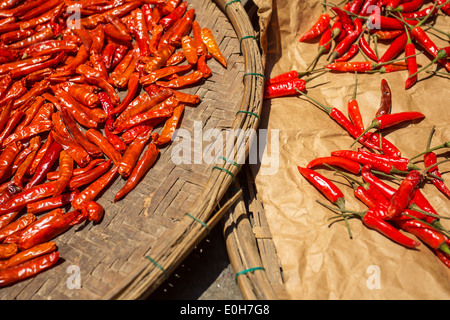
324,185
400,163
319,26
402,197
387,23
387,34
430,159
364,158
373,220
389,120
344,163
142,166
397,46
354,111
428,235
409,6
345,19
366,49
27,269
286,88
352,51
343,121
344,45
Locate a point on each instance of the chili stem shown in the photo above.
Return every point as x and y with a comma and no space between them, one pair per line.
441,146
324,108
438,72
430,137
360,214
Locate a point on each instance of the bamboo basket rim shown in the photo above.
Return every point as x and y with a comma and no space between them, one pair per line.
163,258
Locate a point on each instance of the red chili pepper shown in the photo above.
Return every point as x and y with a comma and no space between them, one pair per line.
345,19
325,186
386,99
389,120
142,166
52,203
428,235
348,41
286,88
97,138
344,163
430,159
409,6
319,26
352,51
50,157
344,122
373,219
90,175
367,50
172,17
387,34
27,269
95,188
401,199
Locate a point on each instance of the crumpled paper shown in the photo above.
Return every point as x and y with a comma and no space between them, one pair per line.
320,261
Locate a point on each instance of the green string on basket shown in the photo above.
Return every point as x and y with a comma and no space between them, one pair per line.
248,112
198,220
247,271
243,38
252,74
225,170
228,3
231,161
158,265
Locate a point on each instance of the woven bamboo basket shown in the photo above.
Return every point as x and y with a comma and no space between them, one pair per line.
250,246
145,236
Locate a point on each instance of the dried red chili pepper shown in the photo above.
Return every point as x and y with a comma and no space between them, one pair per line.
28,132
140,32
170,126
213,47
90,175
27,269
167,21
44,166
189,49
386,99
142,166
102,142
132,154
182,81
142,117
52,203
20,200
95,188
93,210
28,254
163,72
44,230
17,225
66,170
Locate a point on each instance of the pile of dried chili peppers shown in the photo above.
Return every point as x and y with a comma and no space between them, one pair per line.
396,210
359,26
65,133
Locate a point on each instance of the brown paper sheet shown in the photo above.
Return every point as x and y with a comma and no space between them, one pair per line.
319,261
